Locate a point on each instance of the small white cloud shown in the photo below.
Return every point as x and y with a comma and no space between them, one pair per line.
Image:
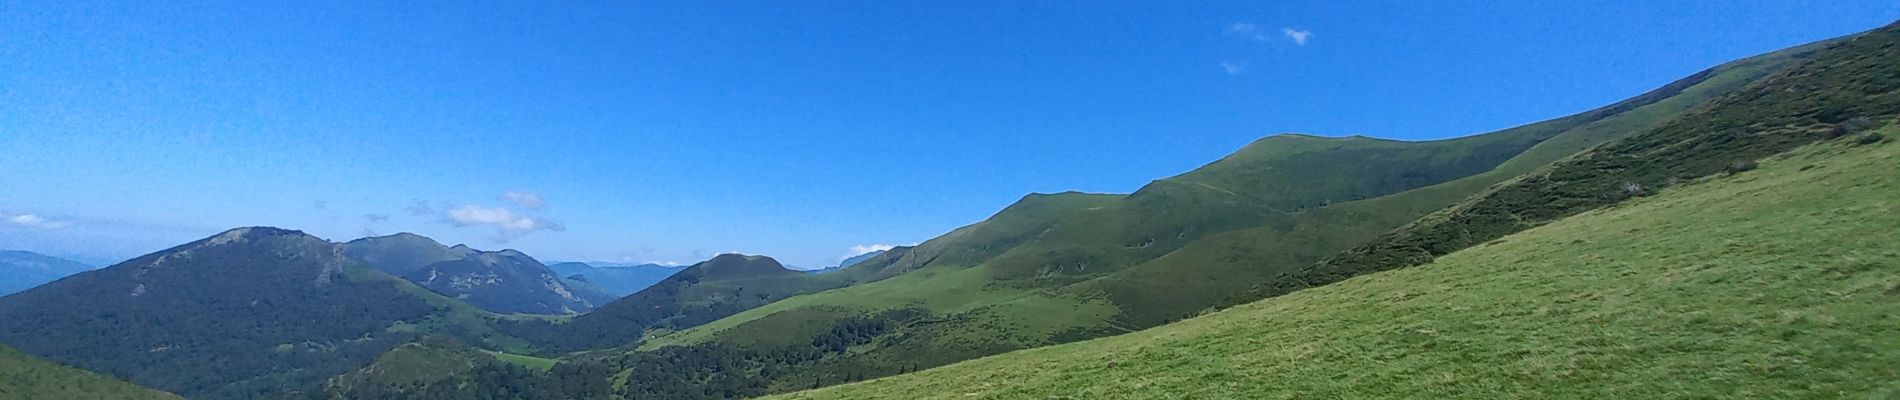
506,222
524,199
35,221
1233,68
863,249
1299,36
1246,31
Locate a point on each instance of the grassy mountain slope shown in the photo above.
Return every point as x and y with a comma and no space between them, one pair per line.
1846,86
1211,269
245,314
25,377
1774,283
1181,244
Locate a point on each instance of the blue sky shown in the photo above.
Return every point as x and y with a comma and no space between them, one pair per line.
669,131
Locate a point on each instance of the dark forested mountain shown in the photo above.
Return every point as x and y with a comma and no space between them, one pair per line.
403,253
22,270
244,314
616,280
703,292
24,377
504,281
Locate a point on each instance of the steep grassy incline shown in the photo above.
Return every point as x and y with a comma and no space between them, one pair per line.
1773,283
1214,268
1845,88
1173,248
25,377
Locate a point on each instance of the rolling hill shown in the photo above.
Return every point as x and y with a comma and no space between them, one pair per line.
247,313
1066,267
1772,283
25,377
22,270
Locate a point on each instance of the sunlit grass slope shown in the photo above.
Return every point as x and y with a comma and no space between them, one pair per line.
25,377
1782,282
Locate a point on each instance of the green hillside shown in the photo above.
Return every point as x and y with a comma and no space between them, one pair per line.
25,377
1177,246
1844,89
1772,283
444,368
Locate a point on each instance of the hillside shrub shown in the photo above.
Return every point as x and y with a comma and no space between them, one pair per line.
1870,138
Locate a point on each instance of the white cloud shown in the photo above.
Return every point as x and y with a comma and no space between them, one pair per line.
1247,31
524,199
35,221
506,222
1299,37
863,249
1233,68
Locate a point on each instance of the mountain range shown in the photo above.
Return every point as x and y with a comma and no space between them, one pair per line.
614,280
1746,210
22,270
505,281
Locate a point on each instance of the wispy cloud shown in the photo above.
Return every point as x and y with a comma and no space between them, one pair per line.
1255,33
1299,36
507,222
1232,67
418,208
524,199
34,221
1246,31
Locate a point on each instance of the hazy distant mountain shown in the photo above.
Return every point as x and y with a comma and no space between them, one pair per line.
615,279
244,314
506,281
22,270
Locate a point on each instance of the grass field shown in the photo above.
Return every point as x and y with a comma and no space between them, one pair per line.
524,360
25,377
1782,282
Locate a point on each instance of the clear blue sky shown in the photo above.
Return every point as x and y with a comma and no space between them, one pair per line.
668,131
